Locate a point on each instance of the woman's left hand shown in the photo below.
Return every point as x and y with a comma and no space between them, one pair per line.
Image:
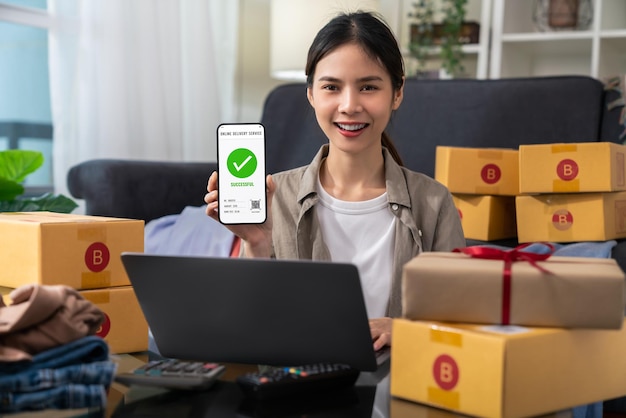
381,332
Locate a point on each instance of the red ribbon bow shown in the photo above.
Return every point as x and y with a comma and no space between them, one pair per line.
508,256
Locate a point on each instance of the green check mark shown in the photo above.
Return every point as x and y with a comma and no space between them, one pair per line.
241,163
239,167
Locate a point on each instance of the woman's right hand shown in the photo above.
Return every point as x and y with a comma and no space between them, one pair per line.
256,238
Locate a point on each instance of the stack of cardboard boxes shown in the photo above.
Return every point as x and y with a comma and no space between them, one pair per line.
82,252
549,192
572,192
508,333
483,183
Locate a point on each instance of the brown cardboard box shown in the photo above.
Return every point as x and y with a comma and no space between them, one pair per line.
80,251
574,292
4,293
508,372
400,408
482,171
572,168
125,328
486,218
571,217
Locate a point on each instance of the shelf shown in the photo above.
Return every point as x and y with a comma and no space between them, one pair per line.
525,59
511,45
613,33
612,14
471,49
546,36
612,60
434,51
557,47
519,49
476,55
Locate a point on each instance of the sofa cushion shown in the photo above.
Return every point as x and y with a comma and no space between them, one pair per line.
138,189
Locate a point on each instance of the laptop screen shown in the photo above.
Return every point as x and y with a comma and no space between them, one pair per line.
258,311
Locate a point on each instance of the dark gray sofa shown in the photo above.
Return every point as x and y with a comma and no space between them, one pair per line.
470,113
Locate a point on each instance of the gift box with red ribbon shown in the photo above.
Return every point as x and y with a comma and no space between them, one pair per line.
487,285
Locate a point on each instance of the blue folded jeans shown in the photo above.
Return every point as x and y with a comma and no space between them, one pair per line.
97,373
60,397
73,375
84,350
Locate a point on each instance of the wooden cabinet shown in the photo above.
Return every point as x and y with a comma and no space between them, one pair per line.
519,49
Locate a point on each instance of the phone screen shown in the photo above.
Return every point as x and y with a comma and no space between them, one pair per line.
241,170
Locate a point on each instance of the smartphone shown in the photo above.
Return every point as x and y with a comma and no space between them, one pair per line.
241,173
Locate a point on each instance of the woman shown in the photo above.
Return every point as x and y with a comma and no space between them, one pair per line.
354,202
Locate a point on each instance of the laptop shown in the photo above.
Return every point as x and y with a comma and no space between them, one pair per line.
255,311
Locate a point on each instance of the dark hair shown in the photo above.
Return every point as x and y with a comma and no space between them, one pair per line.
370,31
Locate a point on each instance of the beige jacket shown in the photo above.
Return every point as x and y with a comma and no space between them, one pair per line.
427,217
42,317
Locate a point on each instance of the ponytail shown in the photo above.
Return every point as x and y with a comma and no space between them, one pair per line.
388,143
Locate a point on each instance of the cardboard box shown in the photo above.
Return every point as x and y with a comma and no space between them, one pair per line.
125,328
400,408
486,218
509,372
80,251
572,168
482,171
572,292
571,217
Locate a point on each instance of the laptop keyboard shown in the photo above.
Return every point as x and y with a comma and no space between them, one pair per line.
382,355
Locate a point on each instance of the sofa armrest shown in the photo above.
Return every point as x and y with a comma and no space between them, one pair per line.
138,189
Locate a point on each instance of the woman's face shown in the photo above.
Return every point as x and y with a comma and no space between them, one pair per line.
353,99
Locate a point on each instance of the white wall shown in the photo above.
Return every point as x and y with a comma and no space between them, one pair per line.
254,59
255,81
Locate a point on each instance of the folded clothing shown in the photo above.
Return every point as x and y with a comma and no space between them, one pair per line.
97,373
84,350
59,397
42,317
50,356
73,375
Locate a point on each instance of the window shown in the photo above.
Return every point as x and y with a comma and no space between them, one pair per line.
25,115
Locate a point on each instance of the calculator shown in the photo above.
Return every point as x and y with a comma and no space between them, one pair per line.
173,374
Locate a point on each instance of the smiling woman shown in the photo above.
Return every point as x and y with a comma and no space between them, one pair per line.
355,81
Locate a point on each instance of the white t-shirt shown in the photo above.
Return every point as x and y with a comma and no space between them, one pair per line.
361,233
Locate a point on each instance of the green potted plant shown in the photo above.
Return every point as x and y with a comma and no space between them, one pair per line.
428,35
15,166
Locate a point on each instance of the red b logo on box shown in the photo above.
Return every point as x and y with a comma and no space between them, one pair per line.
567,170
97,257
446,372
562,219
104,329
491,173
